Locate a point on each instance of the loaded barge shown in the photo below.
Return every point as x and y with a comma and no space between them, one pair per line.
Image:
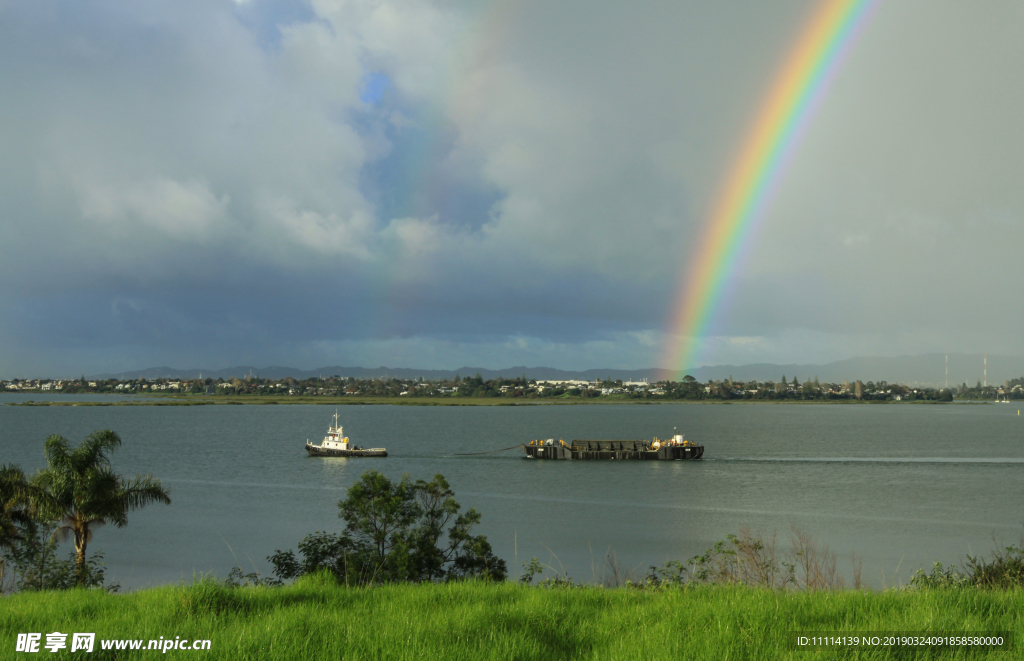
674,449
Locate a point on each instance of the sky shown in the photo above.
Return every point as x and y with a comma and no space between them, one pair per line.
438,183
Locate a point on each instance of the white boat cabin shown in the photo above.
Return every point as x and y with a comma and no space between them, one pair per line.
335,439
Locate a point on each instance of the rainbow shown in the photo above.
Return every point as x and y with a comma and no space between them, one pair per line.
760,165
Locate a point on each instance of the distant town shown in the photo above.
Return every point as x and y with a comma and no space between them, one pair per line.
522,388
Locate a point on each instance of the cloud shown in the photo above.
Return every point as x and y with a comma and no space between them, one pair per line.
185,211
515,170
327,234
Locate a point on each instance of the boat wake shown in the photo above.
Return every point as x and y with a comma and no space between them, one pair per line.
875,460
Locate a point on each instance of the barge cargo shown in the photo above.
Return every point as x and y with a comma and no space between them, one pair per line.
674,449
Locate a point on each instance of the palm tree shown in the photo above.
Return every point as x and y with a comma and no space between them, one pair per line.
14,510
82,492
14,504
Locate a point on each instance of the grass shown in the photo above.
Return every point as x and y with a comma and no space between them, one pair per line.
313,619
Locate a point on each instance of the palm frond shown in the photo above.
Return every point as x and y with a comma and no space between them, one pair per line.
95,449
58,452
142,490
15,504
91,525
13,487
63,532
11,474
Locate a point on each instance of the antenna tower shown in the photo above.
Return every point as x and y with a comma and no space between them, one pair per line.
985,372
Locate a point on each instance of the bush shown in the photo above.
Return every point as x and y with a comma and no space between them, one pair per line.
36,566
753,559
1004,570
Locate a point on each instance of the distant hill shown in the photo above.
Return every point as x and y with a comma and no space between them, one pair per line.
923,370
275,372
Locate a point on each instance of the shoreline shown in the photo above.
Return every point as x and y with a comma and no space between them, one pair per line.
257,400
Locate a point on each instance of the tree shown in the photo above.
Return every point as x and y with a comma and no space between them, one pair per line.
15,515
36,565
79,490
14,505
396,532
376,510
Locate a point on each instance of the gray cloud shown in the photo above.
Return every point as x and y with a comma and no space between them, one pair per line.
198,182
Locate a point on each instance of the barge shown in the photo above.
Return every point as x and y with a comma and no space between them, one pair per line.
674,449
336,444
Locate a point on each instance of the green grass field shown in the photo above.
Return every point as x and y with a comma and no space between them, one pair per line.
473,621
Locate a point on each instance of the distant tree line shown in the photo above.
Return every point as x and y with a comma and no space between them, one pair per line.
687,388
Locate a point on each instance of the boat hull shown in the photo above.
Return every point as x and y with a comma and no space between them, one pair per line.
317,451
596,450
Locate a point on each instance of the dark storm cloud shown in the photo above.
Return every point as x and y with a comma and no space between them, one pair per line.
441,183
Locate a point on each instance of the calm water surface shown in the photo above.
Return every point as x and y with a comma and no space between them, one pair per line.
902,486
22,397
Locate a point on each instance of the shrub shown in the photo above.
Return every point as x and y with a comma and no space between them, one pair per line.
1004,570
754,559
36,565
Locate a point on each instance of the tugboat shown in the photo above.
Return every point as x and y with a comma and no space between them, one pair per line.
676,448
335,444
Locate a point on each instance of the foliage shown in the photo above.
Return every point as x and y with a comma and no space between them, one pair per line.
14,505
1004,571
396,532
754,559
15,515
531,569
36,565
556,580
940,577
239,579
79,490
318,552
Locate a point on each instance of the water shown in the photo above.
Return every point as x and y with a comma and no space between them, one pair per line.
902,486
23,397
